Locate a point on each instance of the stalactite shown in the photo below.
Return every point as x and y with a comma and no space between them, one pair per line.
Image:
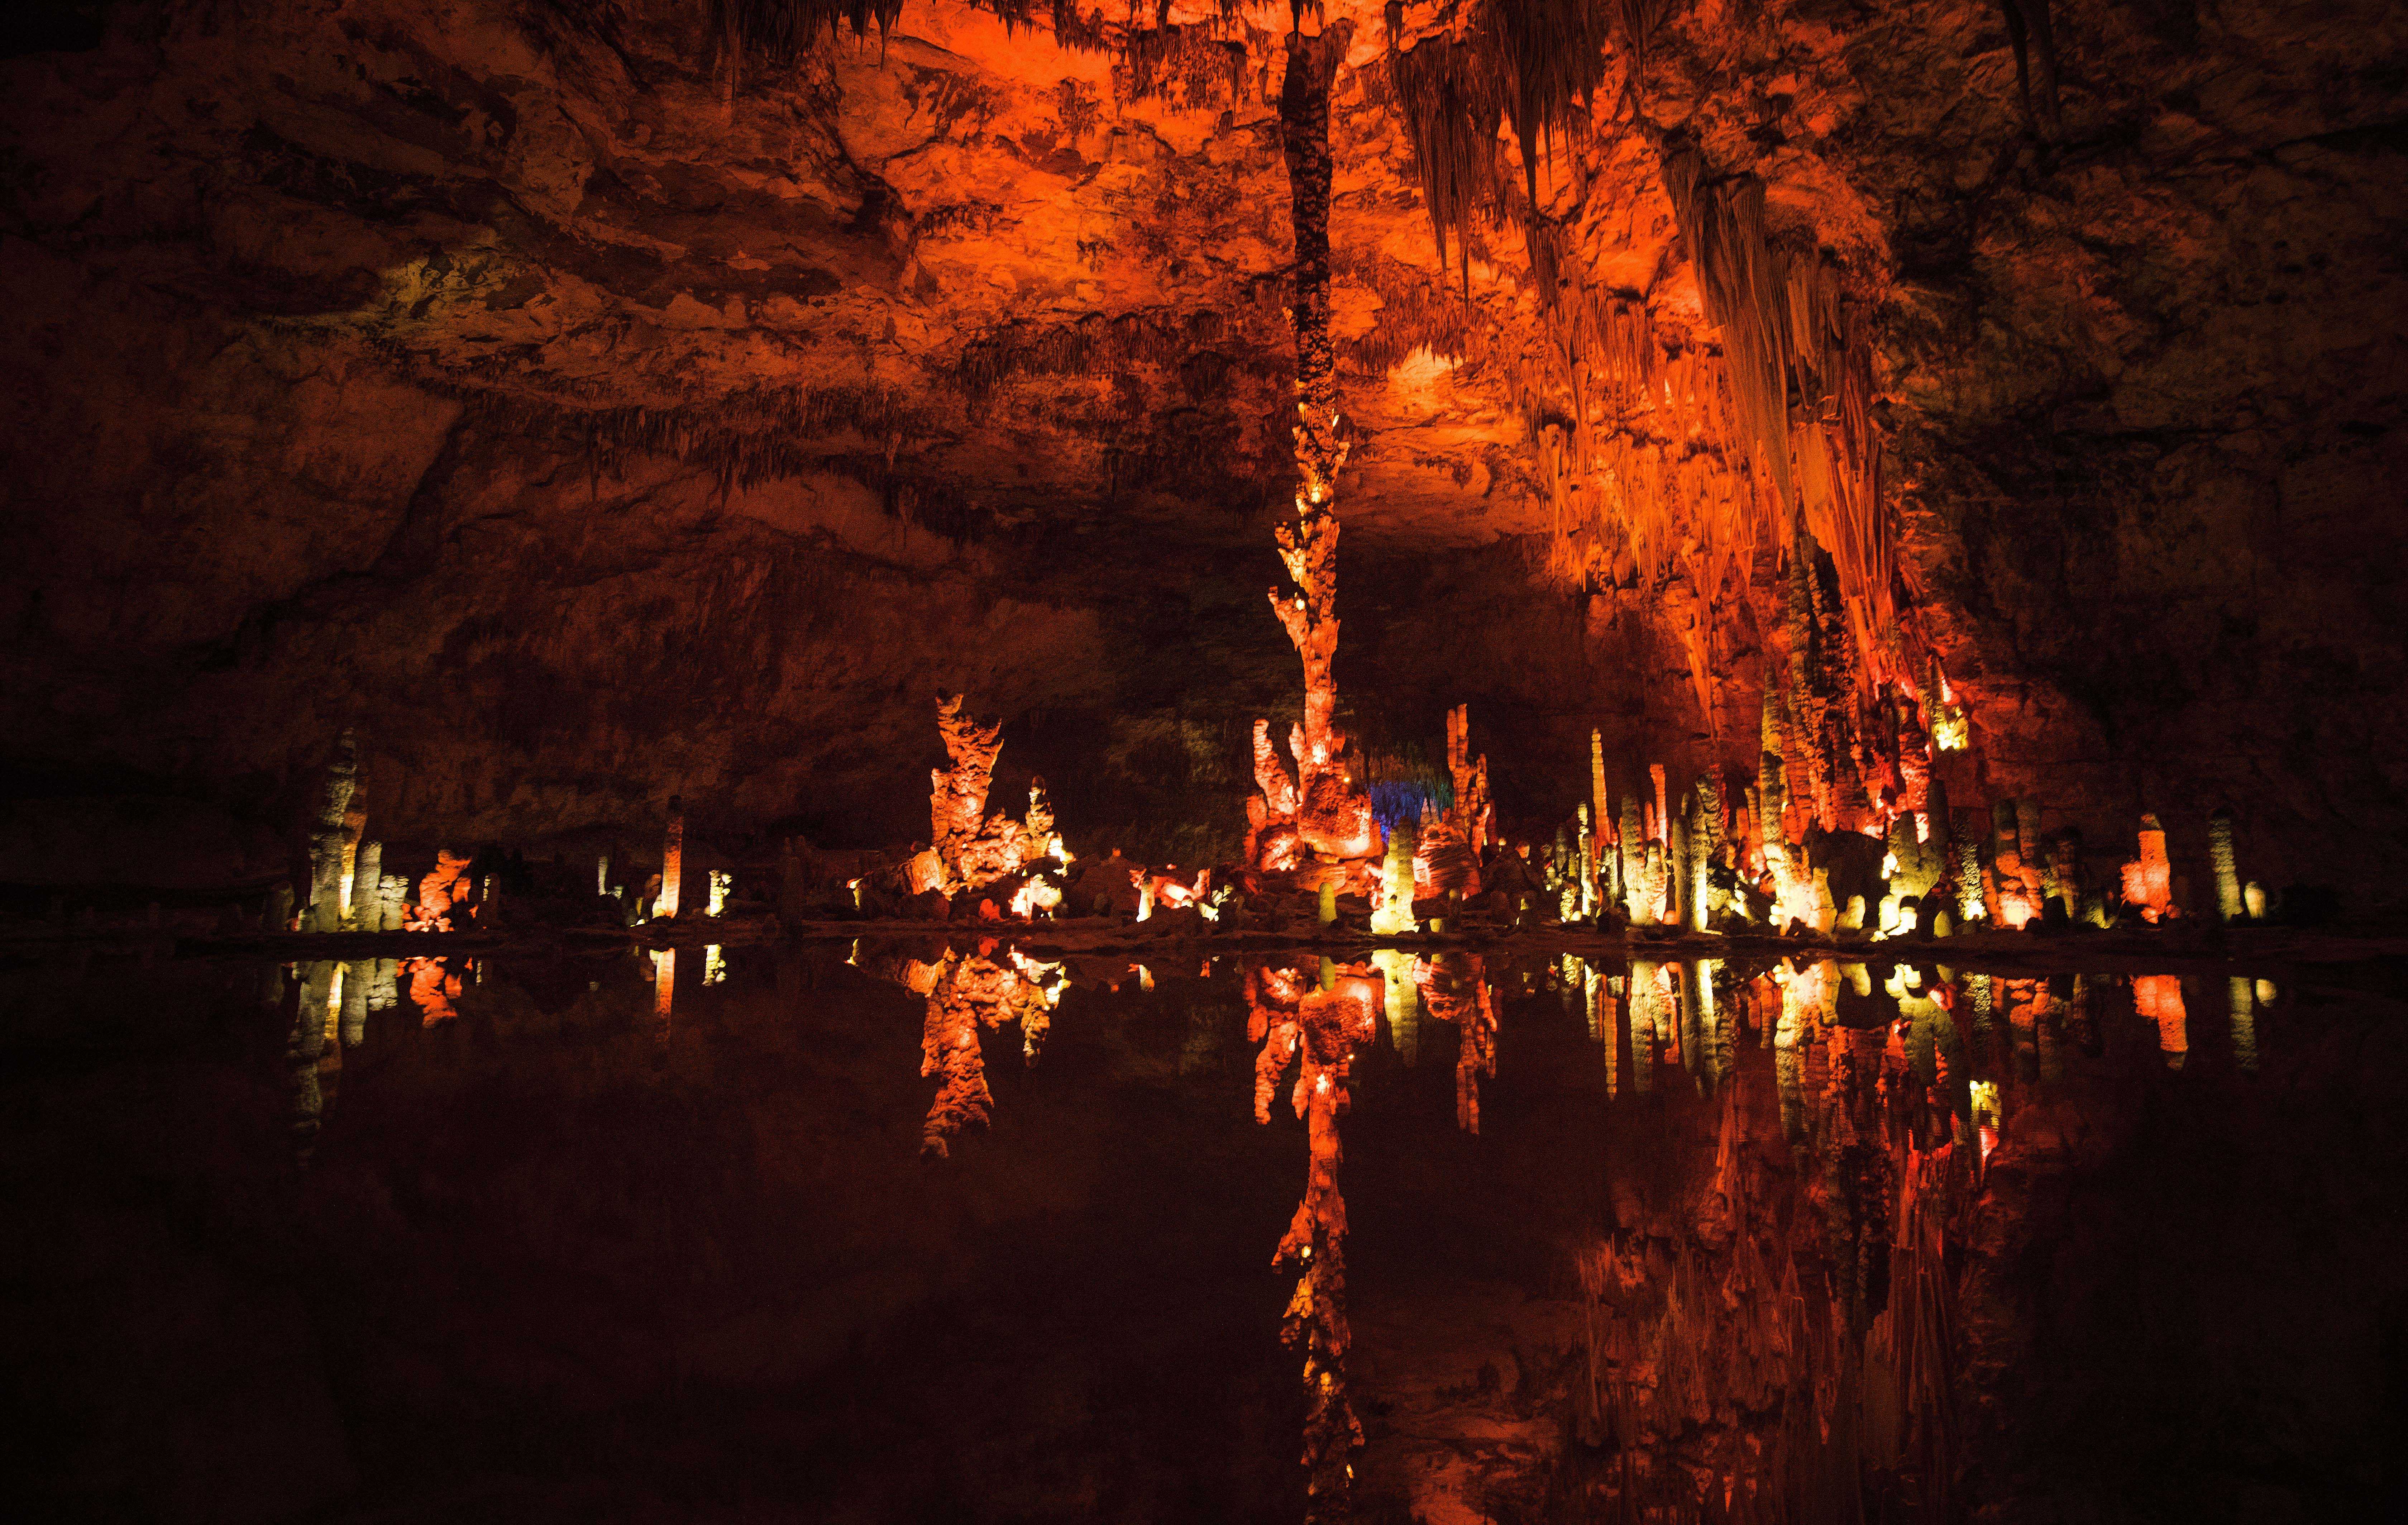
2035,44
779,32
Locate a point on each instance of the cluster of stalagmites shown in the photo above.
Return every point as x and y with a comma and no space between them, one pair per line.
348,889
1847,828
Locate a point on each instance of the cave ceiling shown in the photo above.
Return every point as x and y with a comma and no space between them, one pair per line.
1000,278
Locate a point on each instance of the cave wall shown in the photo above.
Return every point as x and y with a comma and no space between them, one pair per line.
586,427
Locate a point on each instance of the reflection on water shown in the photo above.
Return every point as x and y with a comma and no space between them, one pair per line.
1768,1316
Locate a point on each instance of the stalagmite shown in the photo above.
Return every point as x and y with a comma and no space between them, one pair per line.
1677,887
2253,899
366,900
2064,862
1585,873
1631,850
439,891
1395,912
1951,731
2013,895
1271,840
1601,812
720,882
326,884
2031,854
1038,825
2148,880
1972,907
393,900
2229,902
1705,847
672,862
1475,817
602,874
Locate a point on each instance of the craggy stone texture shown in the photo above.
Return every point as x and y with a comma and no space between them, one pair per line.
495,378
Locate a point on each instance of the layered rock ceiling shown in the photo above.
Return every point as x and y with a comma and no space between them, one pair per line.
588,409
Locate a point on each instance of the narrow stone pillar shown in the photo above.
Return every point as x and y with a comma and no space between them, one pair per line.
367,887
326,838
672,860
2229,902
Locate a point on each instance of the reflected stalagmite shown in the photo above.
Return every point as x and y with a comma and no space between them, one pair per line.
2159,999
2240,1002
964,994
1322,1022
1454,987
2229,902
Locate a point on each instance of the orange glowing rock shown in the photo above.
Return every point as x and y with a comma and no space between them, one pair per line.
1454,987
1475,817
975,852
1442,860
965,994
431,989
2148,881
1271,1021
1333,817
957,796
672,864
2159,998
438,892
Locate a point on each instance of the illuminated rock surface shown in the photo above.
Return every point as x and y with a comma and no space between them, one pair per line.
663,428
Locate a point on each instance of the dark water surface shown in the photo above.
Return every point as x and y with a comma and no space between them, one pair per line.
971,1236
